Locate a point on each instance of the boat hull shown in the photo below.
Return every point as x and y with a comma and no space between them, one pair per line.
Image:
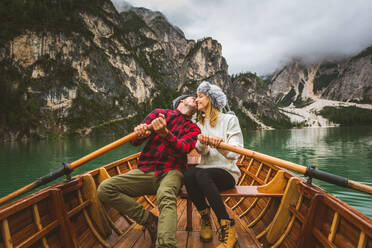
283,211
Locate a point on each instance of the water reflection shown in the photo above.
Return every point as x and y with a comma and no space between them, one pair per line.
344,151
22,163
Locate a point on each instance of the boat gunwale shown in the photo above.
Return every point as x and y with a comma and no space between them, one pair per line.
19,205
349,213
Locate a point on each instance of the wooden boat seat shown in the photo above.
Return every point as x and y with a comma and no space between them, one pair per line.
275,188
247,191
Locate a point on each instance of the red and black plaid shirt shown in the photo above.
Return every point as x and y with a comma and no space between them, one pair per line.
163,154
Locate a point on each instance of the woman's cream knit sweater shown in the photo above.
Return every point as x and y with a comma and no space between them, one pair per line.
228,129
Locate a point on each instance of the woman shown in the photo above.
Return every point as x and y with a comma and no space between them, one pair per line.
217,170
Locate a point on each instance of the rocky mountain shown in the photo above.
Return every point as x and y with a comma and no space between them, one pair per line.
354,79
80,67
327,93
347,80
251,98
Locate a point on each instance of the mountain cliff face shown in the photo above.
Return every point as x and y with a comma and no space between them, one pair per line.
349,80
326,93
98,70
253,103
354,81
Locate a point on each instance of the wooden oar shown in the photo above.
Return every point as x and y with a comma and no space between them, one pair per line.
307,171
66,169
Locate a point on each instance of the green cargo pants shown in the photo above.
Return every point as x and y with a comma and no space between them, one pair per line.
119,191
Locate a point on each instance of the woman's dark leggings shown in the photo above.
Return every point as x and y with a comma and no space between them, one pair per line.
208,183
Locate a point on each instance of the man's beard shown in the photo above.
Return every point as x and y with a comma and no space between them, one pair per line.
192,108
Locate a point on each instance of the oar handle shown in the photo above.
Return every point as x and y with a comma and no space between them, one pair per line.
101,151
307,171
263,157
104,149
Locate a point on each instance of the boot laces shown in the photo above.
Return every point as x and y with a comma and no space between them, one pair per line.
222,233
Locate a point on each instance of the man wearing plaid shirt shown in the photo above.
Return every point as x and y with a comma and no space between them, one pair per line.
160,170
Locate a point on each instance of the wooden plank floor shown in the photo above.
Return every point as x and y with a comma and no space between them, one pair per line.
135,238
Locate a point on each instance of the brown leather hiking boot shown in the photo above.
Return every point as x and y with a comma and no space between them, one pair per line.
206,234
227,234
151,225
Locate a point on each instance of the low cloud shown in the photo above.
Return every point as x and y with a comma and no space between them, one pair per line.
260,36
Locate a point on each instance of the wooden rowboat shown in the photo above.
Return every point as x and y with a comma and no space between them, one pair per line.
271,206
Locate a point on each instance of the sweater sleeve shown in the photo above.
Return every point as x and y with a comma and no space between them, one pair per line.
234,137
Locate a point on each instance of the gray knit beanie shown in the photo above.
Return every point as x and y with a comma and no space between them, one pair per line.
177,101
215,93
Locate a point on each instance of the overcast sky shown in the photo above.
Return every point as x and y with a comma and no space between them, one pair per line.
261,35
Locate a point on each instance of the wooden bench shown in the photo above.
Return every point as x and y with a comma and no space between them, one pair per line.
275,188
253,191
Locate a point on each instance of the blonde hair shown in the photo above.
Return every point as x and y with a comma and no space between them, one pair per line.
211,114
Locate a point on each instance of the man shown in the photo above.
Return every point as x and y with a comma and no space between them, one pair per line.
160,170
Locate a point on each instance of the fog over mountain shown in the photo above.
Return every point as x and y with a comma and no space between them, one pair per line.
261,36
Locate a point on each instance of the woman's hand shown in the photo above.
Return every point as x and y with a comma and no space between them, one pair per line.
203,138
212,141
